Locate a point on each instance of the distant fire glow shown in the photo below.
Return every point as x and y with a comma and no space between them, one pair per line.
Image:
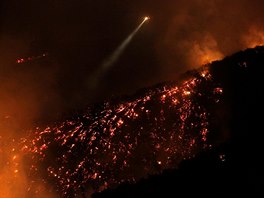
254,37
30,58
115,142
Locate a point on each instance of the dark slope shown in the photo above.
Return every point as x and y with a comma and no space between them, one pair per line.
127,139
233,167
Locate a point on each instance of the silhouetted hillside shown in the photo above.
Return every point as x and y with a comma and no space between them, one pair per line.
232,167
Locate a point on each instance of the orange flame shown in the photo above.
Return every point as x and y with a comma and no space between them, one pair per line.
254,37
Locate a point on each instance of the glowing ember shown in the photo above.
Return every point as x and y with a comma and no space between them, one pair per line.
30,58
112,143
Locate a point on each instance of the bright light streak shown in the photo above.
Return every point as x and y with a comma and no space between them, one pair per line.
117,53
111,60
146,18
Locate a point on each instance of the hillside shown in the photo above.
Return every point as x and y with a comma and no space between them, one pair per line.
199,135
232,167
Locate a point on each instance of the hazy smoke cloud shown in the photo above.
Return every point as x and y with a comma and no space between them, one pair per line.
26,91
253,37
201,31
80,35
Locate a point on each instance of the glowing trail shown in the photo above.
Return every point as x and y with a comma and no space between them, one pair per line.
31,58
115,55
112,59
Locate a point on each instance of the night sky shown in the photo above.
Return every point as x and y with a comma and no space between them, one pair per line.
79,35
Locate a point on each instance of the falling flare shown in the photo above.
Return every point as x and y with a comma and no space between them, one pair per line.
111,60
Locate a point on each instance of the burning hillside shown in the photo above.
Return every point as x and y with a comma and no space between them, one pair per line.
125,140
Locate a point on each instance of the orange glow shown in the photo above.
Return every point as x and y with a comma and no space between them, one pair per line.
255,37
102,145
204,51
186,93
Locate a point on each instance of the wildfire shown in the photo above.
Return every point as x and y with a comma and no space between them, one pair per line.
255,37
113,143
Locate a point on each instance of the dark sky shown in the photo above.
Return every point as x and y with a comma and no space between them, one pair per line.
79,35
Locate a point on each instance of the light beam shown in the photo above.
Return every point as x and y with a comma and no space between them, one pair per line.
111,60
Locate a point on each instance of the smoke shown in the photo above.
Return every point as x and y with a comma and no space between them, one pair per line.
254,37
14,181
25,91
80,34
200,31
202,51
